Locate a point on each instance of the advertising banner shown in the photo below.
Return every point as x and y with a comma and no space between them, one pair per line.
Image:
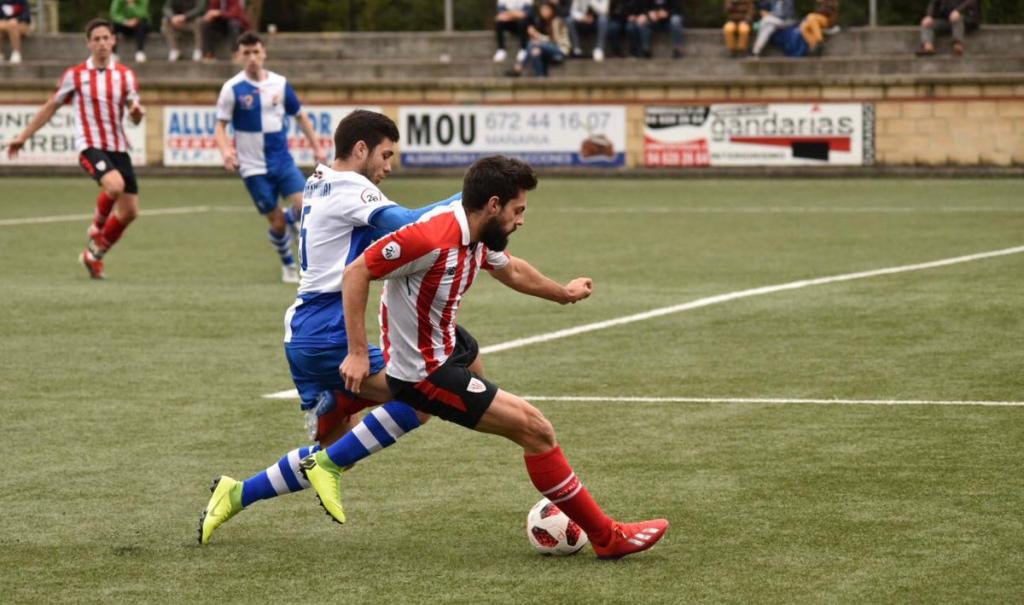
783,134
188,133
54,143
544,135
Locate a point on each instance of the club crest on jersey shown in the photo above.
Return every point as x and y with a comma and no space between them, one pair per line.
101,165
392,251
247,101
476,386
369,196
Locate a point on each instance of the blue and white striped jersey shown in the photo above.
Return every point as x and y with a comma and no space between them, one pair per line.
259,112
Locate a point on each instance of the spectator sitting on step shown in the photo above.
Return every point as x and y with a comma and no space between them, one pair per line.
513,16
664,15
815,24
181,16
226,18
618,13
957,16
549,42
778,15
592,14
131,18
15,21
739,16
636,21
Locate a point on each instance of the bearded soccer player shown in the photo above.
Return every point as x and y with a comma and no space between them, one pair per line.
257,103
99,90
428,267
343,210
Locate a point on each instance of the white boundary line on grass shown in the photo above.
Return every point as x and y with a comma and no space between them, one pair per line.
293,394
788,210
721,298
65,218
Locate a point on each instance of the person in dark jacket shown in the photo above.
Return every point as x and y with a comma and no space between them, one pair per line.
664,15
956,16
224,17
183,16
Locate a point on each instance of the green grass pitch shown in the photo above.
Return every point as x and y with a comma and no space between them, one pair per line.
120,400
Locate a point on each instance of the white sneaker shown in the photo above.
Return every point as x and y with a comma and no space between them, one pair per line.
521,55
140,57
598,55
197,55
173,55
15,57
500,55
289,274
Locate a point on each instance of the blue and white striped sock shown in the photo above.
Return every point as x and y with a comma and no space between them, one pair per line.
279,479
378,429
283,244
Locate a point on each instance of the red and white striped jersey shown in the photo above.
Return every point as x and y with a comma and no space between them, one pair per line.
99,98
429,265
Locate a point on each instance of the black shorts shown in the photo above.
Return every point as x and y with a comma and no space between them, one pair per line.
97,163
451,392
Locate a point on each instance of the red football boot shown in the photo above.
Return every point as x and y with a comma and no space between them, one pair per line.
629,538
92,264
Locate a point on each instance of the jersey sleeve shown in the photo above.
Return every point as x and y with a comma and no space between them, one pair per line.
494,260
226,103
387,256
291,100
131,87
65,88
393,218
358,205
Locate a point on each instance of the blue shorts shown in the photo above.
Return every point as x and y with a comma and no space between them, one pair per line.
266,188
315,370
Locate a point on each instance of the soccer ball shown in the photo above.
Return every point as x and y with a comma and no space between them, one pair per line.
551,532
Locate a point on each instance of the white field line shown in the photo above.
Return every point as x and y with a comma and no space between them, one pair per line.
788,210
773,400
721,298
65,218
293,394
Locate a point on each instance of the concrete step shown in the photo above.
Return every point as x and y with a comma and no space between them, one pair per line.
996,40
397,70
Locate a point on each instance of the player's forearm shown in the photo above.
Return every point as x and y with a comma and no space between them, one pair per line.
523,277
307,129
39,120
220,137
355,295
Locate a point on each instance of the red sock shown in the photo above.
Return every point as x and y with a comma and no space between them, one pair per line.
553,477
112,231
104,204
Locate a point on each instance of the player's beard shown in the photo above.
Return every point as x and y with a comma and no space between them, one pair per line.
494,236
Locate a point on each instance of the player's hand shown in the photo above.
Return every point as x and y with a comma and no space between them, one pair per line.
14,147
578,289
136,111
354,369
230,160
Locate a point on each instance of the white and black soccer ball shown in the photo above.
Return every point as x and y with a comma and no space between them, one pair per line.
552,532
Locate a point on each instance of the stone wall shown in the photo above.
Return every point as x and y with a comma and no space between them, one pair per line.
965,122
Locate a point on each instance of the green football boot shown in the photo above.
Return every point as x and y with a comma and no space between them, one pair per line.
325,477
226,502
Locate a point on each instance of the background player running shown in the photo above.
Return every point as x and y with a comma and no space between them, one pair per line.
257,104
99,91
